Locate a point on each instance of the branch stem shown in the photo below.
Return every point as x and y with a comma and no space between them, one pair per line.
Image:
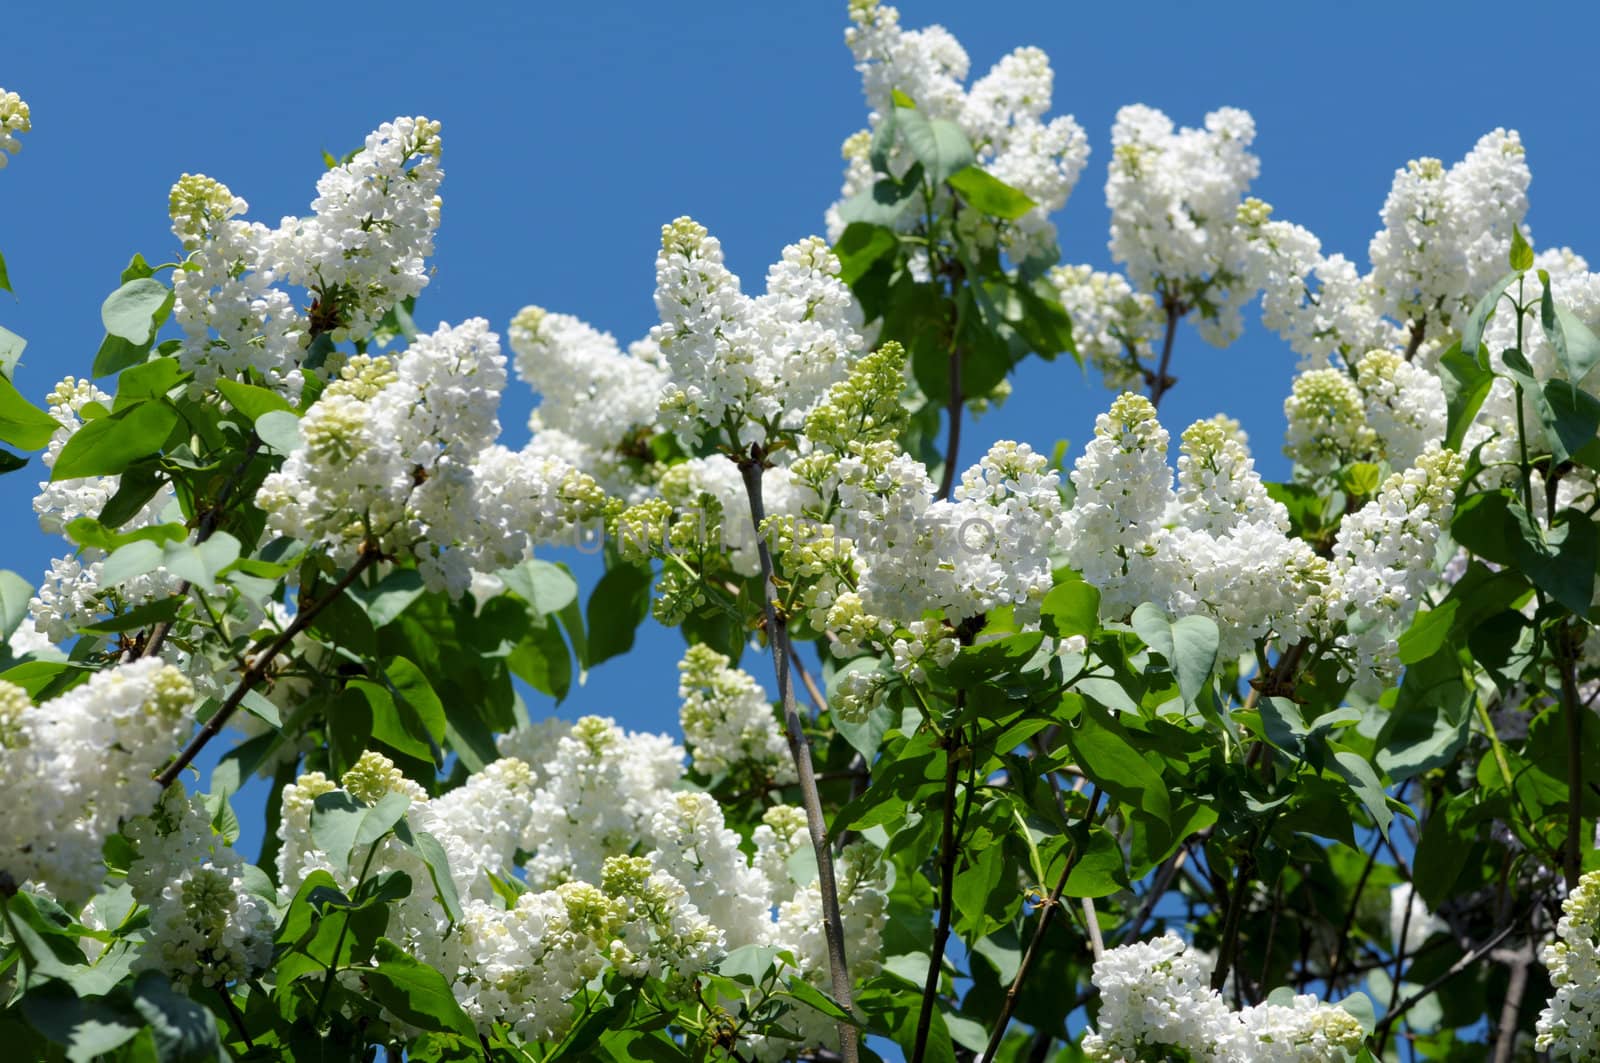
750,467
1046,915
258,668
1159,381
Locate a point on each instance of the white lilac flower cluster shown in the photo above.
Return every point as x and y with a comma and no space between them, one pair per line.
14,118
1001,113
754,365
1156,1003
1446,232
961,558
1445,238
1174,196
620,869
359,253
207,928
1573,288
398,455
89,758
597,405
1569,1026
728,723
1389,410
1115,327
1218,544
71,595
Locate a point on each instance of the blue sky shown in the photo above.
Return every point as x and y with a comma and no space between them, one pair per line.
573,131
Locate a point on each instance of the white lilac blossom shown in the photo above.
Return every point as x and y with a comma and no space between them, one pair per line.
1383,559
987,548
1124,489
620,868
1229,555
1444,239
1569,1026
1174,196
1001,113
1156,1003
359,253
597,405
363,247
1446,232
599,802
1387,410
14,118
207,928
728,723
235,318
1321,305
71,595
1219,544
1114,327
397,455
693,844
755,365
90,756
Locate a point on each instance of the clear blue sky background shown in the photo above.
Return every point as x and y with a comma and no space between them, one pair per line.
573,131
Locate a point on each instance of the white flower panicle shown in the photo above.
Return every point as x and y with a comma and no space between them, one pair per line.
1115,328
235,318
90,756
396,455
1219,545
987,548
1157,1003
754,364
359,253
1569,1026
1383,557
1446,232
1002,115
728,723
1124,489
597,405
363,248
206,927
623,870
70,595
14,118
1388,410
598,800
1174,196
1322,305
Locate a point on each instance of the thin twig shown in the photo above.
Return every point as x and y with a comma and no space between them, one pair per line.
1511,1010
1350,916
204,529
1160,383
1399,962
1091,921
1009,1004
1567,651
1232,919
952,445
818,702
1394,1015
1414,342
258,668
1158,888
949,849
750,468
